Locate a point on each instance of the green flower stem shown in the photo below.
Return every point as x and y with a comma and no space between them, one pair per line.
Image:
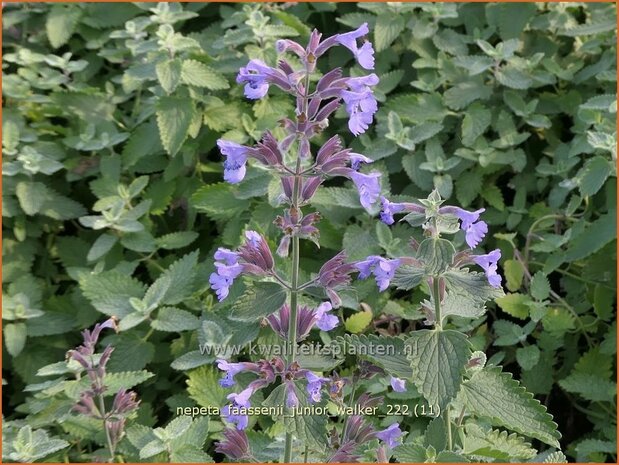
436,294
294,292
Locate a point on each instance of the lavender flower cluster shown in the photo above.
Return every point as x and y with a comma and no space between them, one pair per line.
300,176
91,402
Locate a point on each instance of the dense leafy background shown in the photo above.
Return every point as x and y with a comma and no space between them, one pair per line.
112,182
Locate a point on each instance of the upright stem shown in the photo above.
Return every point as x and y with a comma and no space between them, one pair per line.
294,292
448,420
436,284
436,293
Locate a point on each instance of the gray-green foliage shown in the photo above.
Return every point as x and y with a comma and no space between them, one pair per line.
112,205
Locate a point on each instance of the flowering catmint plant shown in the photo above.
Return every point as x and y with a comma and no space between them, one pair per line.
92,403
301,170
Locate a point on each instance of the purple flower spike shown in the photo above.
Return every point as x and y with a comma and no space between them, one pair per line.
255,76
325,321
368,186
360,102
391,435
236,158
382,268
365,54
314,386
398,385
489,263
240,400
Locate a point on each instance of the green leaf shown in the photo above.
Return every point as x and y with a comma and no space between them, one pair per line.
182,277
593,175
512,18
30,445
110,291
475,122
493,195
101,246
388,352
198,74
175,320
540,287
496,445
587,447
407,277
15,337
436,254
493,394
174,116
468,187
169,74
590,387
258,301
131,353
203,387
388,28
438,360
595,236
176,240
471,284
514,273
513,78
218,201
32,196
515,305
61,23
527,357
357,322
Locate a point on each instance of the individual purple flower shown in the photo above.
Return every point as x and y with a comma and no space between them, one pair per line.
335,273
314,386
231,369
279,321
360,102
239,401
292,400
383,269
256,254
388,209
356,159
398,385
390,435
364,54
324,320
125,402
236,159
235,444
489,263
368,186
257,77
474,229
227,269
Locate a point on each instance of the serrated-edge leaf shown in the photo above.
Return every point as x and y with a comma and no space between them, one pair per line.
438,360
495,395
